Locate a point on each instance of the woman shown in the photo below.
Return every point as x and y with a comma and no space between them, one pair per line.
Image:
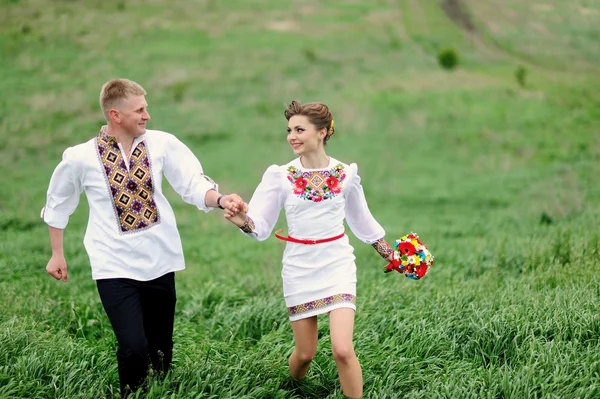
319,273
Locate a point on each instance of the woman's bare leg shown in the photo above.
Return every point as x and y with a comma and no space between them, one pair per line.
341,329
305,337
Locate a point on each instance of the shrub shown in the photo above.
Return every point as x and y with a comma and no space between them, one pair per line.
448,58
521,75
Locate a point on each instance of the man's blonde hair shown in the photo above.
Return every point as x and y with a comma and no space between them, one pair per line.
115,91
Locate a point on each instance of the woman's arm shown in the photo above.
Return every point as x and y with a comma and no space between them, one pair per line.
263,208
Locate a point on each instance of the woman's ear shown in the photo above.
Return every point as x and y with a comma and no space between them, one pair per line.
323,133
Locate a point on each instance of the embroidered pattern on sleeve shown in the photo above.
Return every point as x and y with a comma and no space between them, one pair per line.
132,190
211,181
248,226
383,248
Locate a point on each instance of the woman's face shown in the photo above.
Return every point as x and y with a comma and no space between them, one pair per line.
303,136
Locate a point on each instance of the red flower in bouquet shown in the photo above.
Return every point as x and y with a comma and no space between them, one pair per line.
406,248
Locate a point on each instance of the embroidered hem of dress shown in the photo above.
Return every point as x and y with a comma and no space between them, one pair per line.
320,306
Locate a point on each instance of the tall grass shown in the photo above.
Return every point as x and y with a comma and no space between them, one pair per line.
498,178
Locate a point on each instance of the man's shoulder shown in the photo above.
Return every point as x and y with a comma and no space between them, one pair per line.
81,150
80,154
159,139
159,135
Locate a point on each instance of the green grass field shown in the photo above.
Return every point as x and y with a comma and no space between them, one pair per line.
499,179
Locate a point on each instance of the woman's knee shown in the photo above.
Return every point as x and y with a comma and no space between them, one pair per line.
342,352
305,356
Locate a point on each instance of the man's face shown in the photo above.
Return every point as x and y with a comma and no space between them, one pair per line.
133,115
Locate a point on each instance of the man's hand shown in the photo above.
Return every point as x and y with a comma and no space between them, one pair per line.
233,204
57,267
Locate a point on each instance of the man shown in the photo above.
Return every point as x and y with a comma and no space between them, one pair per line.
132,238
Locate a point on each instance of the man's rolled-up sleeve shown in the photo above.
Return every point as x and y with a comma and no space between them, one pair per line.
185,174
63,192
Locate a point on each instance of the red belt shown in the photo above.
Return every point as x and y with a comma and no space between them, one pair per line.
307,242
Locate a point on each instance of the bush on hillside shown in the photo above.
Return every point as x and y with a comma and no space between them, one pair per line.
521,75
448,58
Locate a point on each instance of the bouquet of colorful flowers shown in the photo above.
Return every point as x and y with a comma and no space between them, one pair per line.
411,257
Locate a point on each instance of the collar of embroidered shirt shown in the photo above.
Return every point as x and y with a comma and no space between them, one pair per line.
299,159
113,139
109,138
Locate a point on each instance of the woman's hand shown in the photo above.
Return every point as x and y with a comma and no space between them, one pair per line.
238,218
233,203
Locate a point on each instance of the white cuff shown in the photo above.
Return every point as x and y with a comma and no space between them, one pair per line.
201,201
53,218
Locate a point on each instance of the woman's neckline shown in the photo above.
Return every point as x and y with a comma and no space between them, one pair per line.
324,167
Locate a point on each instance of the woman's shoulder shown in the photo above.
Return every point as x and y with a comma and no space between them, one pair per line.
293,163
351,167
275,171
291,166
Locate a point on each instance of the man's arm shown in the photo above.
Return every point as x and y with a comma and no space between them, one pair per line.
57,266
185,174
61,201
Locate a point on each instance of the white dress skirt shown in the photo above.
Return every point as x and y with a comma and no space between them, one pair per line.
322,277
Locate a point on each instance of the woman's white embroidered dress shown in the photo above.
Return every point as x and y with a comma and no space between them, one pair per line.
322,277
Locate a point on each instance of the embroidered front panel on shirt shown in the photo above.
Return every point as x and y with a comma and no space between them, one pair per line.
132,190
319,185
321,304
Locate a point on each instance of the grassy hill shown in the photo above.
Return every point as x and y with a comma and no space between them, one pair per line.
497,175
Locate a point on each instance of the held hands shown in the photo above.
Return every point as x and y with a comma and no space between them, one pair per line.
235,209
237,218
233,204
57,267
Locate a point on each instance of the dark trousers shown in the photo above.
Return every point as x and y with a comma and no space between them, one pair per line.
142,315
